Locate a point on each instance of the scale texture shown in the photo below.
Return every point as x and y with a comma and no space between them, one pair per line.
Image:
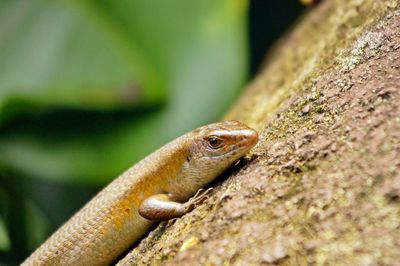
110,223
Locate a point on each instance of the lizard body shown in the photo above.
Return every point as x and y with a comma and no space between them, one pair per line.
157,188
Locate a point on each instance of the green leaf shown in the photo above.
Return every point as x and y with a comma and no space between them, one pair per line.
56,54
5,243
91,55
37,225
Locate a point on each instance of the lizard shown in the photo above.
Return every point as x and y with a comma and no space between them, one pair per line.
159,187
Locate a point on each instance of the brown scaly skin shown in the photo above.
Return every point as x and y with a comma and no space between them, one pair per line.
158,188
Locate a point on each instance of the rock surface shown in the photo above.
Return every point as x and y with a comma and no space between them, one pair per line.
322,187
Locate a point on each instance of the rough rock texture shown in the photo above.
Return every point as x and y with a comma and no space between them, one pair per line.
323,185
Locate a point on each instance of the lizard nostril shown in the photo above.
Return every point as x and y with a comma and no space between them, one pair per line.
251,136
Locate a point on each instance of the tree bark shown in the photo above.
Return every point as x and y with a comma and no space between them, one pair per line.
323,184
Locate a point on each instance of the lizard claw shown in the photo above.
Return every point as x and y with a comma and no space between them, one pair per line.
200,196
170,222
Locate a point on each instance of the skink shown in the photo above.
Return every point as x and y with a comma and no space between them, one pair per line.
157,188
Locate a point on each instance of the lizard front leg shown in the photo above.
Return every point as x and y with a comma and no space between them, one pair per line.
160,206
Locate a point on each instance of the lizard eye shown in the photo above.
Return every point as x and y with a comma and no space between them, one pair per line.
214,142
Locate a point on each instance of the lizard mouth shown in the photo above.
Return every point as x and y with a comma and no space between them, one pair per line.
247,139
250,137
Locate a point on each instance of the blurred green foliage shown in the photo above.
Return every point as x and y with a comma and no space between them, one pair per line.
87,88
176,63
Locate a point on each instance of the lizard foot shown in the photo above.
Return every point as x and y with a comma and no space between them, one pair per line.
200,196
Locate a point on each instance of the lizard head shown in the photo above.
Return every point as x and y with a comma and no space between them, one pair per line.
215,147
228,140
